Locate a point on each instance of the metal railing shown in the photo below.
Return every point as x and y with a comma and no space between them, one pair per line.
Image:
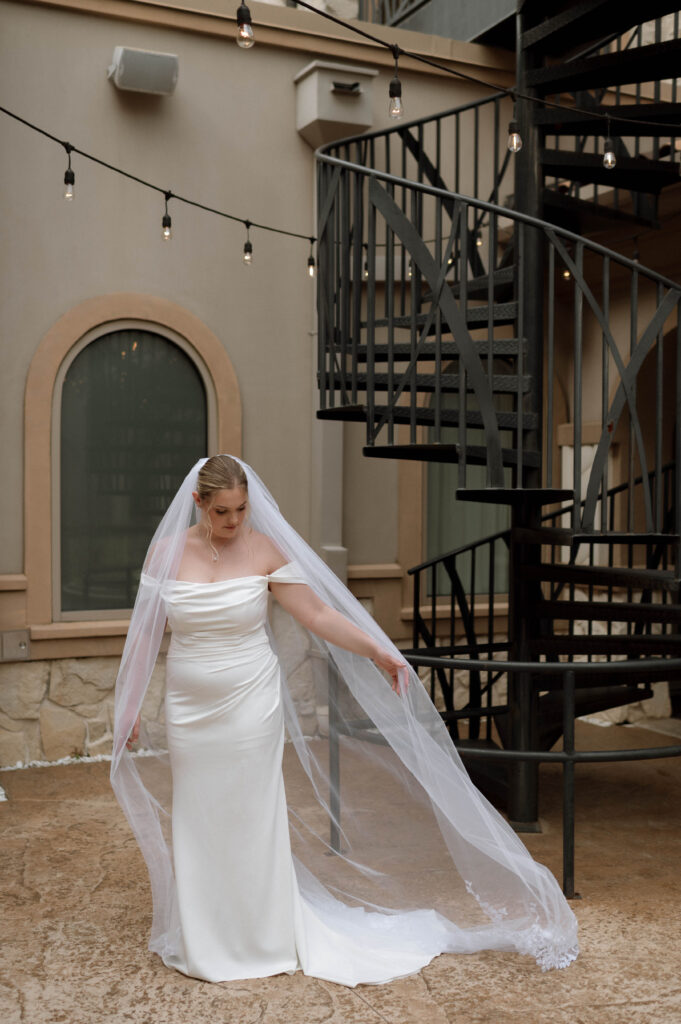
450,616
396,304
569,757
630,139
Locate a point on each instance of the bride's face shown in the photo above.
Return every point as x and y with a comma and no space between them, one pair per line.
226,512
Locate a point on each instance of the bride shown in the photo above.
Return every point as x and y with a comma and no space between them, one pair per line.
385,854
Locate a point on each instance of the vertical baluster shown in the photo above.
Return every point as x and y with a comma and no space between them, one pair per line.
491,248
344,282
437,396
633,331
495,165
372,431
414,307
390,304
577,384
476,152
520,330
461,211
491,590
605,386
676,471
357,270
659,404
550,354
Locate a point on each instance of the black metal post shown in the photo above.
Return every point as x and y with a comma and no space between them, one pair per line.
334,762
528,199
522,698
569,785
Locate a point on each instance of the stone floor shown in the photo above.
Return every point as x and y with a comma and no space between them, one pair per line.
76,912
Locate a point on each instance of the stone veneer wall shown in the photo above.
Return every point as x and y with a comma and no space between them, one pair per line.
61,708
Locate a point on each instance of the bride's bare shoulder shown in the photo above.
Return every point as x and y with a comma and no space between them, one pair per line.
266,551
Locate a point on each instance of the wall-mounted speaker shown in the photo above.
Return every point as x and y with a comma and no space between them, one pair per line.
144,70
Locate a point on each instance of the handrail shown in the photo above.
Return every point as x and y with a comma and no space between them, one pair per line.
403,126
489,539
568,757
503,211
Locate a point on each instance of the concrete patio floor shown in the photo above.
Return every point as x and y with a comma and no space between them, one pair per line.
76,914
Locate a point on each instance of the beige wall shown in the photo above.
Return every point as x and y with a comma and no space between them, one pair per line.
227,138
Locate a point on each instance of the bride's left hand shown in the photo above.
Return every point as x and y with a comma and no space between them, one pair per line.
396,668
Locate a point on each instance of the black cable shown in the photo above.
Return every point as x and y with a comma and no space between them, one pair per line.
149,184
509,91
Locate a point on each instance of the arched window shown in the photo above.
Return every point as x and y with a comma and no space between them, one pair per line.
133,417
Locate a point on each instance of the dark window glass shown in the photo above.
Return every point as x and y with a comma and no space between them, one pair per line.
133,420
452,523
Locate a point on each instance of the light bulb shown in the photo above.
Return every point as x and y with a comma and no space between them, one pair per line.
609,158
311,266
244,36
167,225
395,108
248,254
69,180
478,239
515,142
410,271
566,274
365,272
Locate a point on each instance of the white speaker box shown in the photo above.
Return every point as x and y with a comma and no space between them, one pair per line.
144,70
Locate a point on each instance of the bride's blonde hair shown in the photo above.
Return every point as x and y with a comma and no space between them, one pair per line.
220,473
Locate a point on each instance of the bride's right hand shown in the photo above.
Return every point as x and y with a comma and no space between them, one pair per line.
134,735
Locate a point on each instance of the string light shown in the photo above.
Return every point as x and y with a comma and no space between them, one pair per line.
566,274
69,176
478,239
395,107
248,248
244,35
515,142
311,264
166,223
609,158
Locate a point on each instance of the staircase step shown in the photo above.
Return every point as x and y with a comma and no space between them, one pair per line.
588,21
501,313
568,537
636,123
542,535
595,575
449,383
582,216
425,416
633,173
638,64
402,351
476,455
632,645
611,611
478,287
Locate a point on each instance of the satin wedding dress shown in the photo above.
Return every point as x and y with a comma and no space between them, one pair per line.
384,854
241,910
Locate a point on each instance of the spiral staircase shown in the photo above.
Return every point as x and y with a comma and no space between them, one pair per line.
466,310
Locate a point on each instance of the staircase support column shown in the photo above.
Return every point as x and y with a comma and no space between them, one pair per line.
523,807
527,190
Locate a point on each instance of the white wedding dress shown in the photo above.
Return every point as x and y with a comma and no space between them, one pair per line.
245,907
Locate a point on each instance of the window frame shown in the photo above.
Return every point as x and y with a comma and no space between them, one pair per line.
58,615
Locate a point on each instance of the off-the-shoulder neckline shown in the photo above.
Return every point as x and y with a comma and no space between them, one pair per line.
231,579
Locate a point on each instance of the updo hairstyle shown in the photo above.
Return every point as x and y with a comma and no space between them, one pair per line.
220,472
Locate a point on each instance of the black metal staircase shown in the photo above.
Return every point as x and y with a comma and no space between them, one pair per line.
464,313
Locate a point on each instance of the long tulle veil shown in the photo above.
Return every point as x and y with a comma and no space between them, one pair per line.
384,815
